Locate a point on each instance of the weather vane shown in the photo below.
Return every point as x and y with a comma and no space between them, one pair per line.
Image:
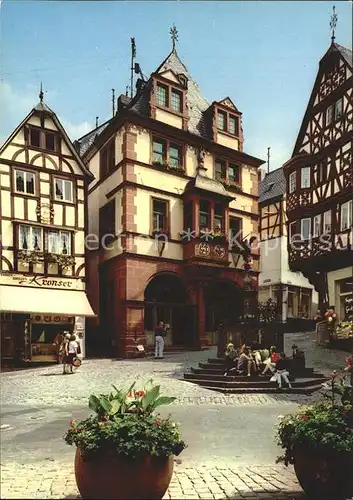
173,35
41,93
333,23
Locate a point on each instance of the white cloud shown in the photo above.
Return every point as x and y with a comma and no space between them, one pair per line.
15,106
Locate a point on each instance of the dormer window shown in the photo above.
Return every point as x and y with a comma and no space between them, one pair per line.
227,122
162,95
222,121
176,101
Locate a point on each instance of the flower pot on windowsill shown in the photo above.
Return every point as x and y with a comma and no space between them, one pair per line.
62,260
231,185
30,256
125,450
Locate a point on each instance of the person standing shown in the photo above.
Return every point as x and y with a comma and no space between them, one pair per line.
72,349
159,334
221,340
64,351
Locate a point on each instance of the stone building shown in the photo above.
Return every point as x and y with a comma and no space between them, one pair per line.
174,197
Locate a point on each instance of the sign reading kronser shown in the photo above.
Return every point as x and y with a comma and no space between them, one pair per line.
41,281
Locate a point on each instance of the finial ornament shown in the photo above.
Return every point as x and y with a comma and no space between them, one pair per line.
174,35
333,23
41,93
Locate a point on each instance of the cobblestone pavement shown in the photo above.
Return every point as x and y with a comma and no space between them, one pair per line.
41,386
31,476
57,480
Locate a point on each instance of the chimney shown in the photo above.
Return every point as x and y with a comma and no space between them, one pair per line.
123,102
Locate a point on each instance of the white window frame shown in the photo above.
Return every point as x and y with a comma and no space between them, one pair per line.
329,114
63,190
317,233
31,239
292,182
301,229
25,174
305,175
337,103
326,215
58,235
349,207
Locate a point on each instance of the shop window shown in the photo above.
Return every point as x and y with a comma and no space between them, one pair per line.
292,304
24,182
63,190
107,159
305,304
30,238
166,153
305,177
159,215
235,229
205,214
346,215
59,242
107,223
218,217
292,182
305,229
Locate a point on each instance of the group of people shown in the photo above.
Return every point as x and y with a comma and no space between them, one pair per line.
68,351
254,361
160,332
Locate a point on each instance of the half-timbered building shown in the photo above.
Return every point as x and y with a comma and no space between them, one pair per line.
294,295
320,184
173,193
43,212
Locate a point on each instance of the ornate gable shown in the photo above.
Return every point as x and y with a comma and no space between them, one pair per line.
228,103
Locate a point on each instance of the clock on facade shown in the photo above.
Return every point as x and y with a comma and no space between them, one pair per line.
204,249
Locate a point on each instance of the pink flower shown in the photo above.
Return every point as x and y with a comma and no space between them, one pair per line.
304,417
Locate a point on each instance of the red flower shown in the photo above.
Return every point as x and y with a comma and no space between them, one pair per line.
129,394
304,417
71,422
139,394
157,422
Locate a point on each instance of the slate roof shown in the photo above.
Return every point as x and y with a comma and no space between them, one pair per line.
84,143
347,54
197,104
273,185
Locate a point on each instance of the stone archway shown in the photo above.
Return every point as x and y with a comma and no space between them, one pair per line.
166,300
224,302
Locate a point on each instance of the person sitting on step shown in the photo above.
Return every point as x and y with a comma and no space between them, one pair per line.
270,363
282,372
231,359
246,363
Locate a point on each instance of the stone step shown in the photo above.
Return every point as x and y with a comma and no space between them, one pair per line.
306,373
250,383
265,390
219,368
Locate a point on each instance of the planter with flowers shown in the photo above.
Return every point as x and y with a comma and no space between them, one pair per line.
62,260
125,451
318,441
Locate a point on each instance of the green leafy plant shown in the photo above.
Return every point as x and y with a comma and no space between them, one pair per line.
64,261
324,428
30,256
125,423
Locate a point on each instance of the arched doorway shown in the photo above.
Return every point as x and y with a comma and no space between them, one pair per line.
224,302
166,300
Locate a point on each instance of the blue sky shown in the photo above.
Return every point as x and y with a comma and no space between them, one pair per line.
264,55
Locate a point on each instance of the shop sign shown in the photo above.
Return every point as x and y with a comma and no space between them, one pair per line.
39,281
348,305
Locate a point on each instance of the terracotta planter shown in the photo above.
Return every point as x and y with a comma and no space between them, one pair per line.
326,478
119,477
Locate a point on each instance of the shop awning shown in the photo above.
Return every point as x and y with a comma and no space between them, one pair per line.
21,299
